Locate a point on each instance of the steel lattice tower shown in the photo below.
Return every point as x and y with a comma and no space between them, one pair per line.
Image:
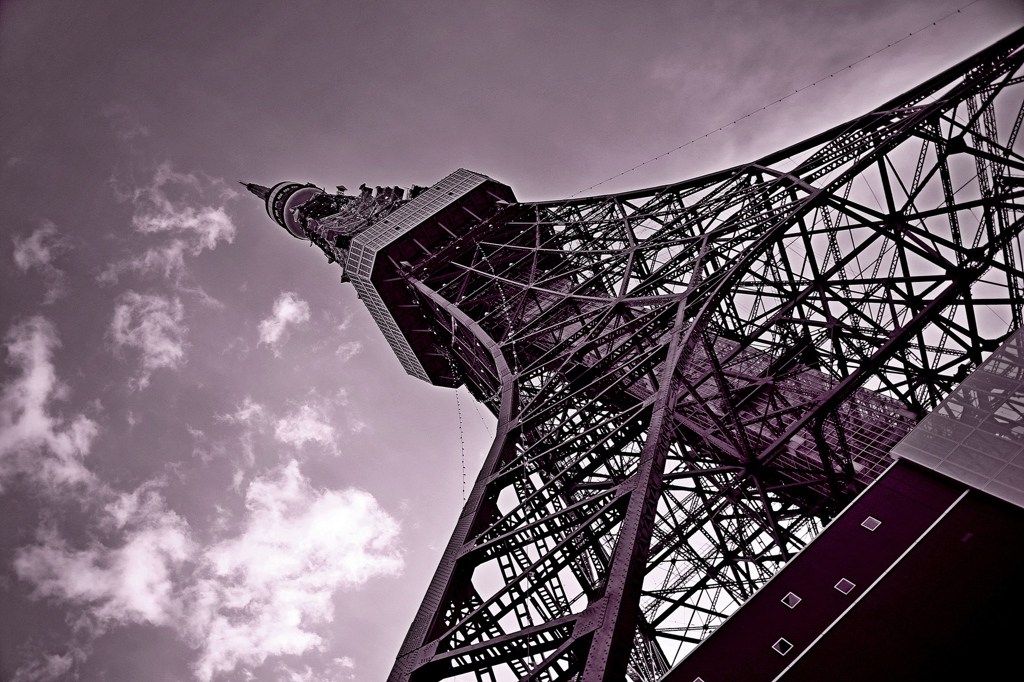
689,380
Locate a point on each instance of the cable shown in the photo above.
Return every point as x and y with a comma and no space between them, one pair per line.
462,443
487,428
781,99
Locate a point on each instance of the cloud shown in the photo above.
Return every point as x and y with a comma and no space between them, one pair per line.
154,326
305,675
167,259
289,309
307,423
50,667
343,668
132,582
312,420
253,416
262,592
249,412
34,441
124,123
348,349
38,251
188,228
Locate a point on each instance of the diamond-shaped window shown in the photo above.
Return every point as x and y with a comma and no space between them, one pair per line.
845,586
871,523
783,646
791,600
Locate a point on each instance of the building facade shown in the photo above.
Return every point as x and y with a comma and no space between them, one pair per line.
920,577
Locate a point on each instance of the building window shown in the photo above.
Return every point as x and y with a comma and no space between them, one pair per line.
791,600
782,646
845,586
871,523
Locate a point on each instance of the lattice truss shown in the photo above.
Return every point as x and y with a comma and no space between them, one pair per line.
691,380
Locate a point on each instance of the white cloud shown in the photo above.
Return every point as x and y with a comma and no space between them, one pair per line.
249,412
50,667
190,229
152,325
253,416
167,259
133,582
343,670
289,309
33,440
305,675
263,592
307,423
348,349
314,420
38,251
156,213
125,124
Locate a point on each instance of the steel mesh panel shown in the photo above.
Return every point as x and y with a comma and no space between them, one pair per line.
366,246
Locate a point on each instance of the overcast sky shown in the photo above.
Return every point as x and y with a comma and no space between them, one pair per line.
211,465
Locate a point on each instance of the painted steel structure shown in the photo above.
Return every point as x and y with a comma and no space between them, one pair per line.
919,577
689,380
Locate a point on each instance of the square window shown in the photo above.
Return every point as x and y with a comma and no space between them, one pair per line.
782,646
871,523
845,586
791,600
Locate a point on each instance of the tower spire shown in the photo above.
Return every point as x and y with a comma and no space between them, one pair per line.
259,190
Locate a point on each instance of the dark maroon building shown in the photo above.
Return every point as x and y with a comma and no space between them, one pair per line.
921,577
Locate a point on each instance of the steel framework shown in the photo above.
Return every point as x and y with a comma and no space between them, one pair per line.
690,380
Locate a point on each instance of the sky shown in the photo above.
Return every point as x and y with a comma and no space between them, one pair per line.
212,467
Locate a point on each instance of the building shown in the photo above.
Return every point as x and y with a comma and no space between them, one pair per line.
920,577
692,380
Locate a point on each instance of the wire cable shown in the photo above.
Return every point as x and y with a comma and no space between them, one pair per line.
778,101
462,443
